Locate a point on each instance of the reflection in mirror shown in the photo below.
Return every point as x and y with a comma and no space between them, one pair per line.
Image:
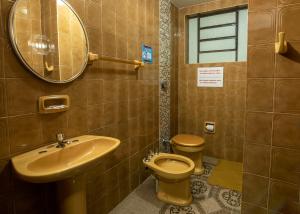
50,39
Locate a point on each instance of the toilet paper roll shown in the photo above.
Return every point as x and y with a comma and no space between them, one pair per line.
210,128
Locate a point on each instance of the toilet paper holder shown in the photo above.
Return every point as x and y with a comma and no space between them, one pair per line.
210,127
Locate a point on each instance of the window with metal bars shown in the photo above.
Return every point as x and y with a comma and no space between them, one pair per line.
218,37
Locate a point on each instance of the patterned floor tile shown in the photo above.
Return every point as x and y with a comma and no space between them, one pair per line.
208,199
229,199
171,209
210,206
200,189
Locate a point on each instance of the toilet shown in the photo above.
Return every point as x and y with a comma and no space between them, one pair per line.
190,146
173,174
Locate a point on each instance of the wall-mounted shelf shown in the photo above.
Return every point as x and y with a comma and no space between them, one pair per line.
54,104
94,57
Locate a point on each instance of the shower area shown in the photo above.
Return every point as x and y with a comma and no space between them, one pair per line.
251,143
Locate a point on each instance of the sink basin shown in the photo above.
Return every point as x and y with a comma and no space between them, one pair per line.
65,166
49,164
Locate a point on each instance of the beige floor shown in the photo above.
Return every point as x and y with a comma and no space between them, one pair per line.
142,200
207,199
228,174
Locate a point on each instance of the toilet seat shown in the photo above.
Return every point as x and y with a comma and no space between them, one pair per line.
188,140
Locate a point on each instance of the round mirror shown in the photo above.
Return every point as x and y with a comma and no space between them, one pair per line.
49,38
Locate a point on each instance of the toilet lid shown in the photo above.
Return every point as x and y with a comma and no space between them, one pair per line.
188,140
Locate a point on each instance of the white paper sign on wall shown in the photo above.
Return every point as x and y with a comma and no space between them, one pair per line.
212,77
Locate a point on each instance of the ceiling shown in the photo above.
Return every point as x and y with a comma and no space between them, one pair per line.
185,3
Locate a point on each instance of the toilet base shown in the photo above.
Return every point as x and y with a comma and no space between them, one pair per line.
177,193
199,171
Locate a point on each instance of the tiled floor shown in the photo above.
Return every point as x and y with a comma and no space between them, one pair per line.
207,199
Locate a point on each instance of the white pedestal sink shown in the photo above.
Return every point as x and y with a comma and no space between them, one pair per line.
66,166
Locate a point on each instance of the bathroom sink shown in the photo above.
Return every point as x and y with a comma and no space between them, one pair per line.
49,164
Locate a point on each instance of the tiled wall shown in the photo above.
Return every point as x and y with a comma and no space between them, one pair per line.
272,151
225,106
108,99
165,47
174,71
168,71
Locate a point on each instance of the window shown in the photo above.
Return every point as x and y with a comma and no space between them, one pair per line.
218,37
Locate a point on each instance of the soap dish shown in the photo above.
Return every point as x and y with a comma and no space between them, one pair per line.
54,104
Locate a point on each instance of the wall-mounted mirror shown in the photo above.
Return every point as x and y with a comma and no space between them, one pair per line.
49,38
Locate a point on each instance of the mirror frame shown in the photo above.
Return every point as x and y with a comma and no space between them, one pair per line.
18,53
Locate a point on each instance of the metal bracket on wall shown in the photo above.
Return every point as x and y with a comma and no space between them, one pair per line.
281,47
164,85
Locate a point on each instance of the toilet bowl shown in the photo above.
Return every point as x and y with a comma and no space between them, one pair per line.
173,174
190,146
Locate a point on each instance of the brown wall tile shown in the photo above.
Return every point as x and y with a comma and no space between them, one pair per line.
28,90
292,207
286,23
283,139
250,209
5,178
53,124
287,97
6,205
93,16
255,165
260,95
285,2
2,98
285,165
109,27
13,67
233,148
259,128
2,44
286,131
24,133
94,35
282,195
255,190
287,65
77,121
4,144
77,92
95,89
262,5
261,61
94,117
261,27
122,28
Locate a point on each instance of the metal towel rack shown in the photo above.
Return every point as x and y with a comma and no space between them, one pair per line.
94,57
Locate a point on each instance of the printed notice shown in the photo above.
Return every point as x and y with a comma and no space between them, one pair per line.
210,77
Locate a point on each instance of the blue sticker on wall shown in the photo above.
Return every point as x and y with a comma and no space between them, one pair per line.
147,54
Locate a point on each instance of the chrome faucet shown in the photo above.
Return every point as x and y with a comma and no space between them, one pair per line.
61,142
